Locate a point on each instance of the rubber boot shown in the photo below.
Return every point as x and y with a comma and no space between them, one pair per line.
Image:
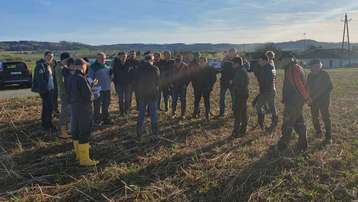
64,134
84,155
260,120
302,140
75,149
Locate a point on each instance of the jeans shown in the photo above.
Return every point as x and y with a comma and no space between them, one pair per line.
101,106
198,94
223,90
124,98
179,93
65,111
47,109
152,106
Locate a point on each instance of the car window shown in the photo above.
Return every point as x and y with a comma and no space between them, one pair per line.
16,66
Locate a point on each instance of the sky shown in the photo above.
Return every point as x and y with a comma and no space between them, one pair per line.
99,22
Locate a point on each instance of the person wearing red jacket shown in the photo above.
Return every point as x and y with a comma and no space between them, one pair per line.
295,95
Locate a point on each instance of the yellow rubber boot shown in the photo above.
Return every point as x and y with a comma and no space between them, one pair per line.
84,155
75,149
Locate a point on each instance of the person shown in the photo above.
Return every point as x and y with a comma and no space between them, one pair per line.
165,66
227,75
265,101
100,71
179,85
147,91
294,96
62,74
43,83
122,82
240,88
271,57
320,87
132,65
81,101
203,80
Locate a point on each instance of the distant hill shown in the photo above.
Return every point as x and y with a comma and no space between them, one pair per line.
64,45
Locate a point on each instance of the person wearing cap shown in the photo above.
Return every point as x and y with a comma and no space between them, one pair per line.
44,84
240,88
227,75
100,71
294,96
179,83
320,87
165,66
147,91
121,80
203,80
62,74
81,105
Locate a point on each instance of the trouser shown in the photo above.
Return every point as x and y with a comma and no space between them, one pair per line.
266,102
317,107
240,113
152,106
198,94
124,98
47,109
166,92
179,94
223,90
65,110
81,122
293,120
55,99
101,106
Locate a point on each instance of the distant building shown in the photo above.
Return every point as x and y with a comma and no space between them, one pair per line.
331,58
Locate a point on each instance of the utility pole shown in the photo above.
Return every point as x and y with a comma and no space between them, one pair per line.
346,34
304,41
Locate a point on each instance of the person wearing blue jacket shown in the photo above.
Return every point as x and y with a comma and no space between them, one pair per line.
44,84
100,71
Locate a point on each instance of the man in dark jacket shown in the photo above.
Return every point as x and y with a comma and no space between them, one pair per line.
44,84
265,101
101,72
147,91
121,80
320,87
132,65
240,88
166,70
180,81
294,97
203,80
227,75
81,97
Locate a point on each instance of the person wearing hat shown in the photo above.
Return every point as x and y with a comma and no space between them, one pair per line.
240,89
227,75
62,74
100,71
294,96
265,101
81,105
320,87
203,80
147,92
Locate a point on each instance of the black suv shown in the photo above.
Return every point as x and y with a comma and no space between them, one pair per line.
15,73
